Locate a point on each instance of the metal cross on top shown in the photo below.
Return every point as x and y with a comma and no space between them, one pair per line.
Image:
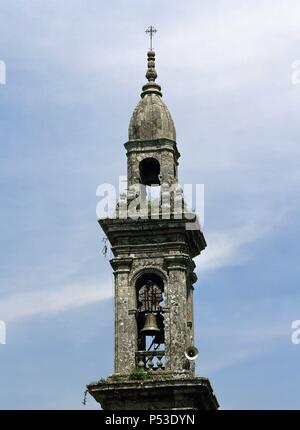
151,30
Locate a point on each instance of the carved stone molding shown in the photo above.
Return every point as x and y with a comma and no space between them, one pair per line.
177,262
121,265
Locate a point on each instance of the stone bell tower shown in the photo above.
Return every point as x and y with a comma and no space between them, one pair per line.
154,274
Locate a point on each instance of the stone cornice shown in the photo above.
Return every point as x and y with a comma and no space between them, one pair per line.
156,145
177,262
121,265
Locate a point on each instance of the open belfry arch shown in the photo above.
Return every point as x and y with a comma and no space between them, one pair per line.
154,272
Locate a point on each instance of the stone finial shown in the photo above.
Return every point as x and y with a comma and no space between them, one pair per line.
151,74
151,87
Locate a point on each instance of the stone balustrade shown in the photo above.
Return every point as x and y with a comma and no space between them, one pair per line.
150,360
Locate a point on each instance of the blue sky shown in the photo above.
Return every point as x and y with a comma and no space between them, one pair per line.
74,74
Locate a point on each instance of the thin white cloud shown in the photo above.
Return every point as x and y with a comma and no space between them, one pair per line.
229,246
244,339
49,301
225,247
243,329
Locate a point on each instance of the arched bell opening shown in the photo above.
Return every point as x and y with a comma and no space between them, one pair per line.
150,319
149,171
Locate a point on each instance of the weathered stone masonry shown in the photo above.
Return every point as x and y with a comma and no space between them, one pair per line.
154,275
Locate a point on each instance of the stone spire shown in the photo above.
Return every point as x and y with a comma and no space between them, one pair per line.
151,119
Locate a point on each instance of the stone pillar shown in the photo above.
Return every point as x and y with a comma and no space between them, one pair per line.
125,326
176,318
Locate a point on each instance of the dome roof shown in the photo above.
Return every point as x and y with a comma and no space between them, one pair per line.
151,119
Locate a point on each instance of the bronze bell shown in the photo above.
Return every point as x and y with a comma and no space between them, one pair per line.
150,327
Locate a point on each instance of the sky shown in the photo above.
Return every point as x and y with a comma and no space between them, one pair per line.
74,72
